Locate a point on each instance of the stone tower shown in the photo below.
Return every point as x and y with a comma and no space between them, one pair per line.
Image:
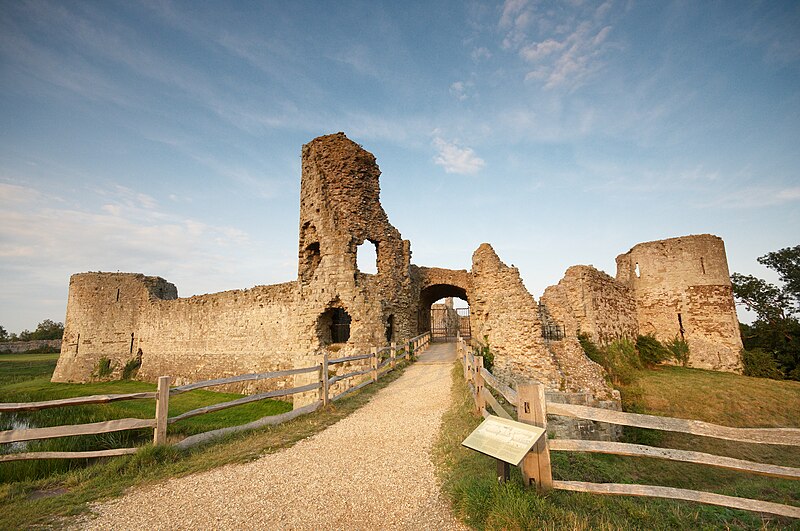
682,288
340,210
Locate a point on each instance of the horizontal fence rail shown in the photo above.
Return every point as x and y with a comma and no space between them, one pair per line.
237,379
11,407
781,436
531,408
161,420
94,428
686,456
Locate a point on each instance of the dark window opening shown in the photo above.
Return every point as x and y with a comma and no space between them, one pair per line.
77,343
117,294
680,326
389,328
340,326
702,265
131,343
333,326
311,259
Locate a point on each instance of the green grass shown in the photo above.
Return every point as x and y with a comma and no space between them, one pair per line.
52,500
469,478
26,378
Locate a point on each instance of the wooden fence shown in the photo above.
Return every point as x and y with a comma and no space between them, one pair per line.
382,360
531,408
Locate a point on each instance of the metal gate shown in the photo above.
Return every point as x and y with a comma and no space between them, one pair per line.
446,323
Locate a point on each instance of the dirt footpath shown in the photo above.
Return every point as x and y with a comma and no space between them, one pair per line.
371,470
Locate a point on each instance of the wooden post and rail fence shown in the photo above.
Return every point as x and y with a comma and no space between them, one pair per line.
381,361
531,408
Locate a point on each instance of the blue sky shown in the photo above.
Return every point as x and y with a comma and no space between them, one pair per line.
165,137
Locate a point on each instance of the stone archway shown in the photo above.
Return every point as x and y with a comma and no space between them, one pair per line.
437,283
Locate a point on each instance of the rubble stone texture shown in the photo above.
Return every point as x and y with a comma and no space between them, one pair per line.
121,316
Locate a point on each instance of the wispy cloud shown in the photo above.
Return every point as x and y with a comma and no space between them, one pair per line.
456,159
756,197
563,47
460,89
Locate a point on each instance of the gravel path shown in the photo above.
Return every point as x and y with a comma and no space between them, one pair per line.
371,470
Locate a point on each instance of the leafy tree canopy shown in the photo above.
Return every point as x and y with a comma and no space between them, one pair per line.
776,329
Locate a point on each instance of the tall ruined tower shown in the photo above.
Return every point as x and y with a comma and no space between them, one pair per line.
340,210
682,288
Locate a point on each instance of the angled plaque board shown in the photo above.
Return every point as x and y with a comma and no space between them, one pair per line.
504,439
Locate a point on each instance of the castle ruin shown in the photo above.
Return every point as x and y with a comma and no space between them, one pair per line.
671,288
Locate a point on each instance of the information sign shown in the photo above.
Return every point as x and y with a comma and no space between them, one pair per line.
504,439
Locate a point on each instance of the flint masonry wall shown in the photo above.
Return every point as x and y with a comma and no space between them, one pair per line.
591,302
505,313
120,316
681,287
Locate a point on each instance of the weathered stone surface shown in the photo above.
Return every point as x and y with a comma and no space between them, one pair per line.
682,288
121,316
589,301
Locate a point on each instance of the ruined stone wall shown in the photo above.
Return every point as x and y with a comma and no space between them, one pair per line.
103,311
221,334
192,339
339,211
505,313
589,301
34,344
682,288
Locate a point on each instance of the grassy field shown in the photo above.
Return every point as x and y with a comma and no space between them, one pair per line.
26,378
469,478
52,499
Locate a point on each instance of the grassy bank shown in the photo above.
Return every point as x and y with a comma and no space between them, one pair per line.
47,500
469,478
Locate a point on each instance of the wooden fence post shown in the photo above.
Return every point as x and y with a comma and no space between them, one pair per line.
480,402
393,353
323,373
162,411
374,352
532,409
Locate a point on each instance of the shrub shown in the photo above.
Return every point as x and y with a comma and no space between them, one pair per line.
651,351
103,368
760,364
488,356
619,359
680,350
131,368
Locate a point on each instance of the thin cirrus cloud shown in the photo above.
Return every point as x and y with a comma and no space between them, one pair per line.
561,52
456,159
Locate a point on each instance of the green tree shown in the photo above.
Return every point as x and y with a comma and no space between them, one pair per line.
776,329
47,329
3,335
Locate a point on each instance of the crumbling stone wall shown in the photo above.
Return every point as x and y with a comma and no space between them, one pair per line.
122,315
591,302
682,288
506,314
33,344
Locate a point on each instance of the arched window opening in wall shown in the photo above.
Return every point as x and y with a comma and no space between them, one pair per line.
333,326
77,343
637,271
131,343
310,255
702,265
367,257
390,329
311,259
680,327
117,294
